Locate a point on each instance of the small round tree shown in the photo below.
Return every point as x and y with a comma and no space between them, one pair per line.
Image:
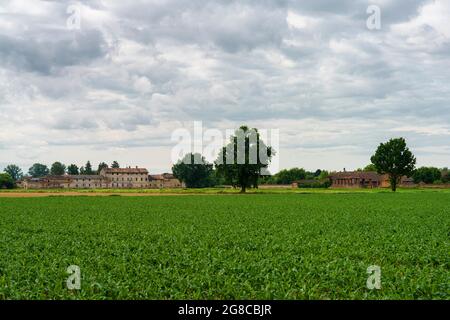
394,159
57,169
194,171
6,181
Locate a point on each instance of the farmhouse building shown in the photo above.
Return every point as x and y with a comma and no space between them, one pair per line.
126,177
165,180
47,182
86,181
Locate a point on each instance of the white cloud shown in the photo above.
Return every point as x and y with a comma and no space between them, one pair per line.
143,85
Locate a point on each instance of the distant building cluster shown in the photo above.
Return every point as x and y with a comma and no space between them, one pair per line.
362,179
111,178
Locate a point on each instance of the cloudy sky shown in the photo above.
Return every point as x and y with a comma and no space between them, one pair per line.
118,86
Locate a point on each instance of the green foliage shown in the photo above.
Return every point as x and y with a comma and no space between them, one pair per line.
317,184
57,169
101,165
14,171
370,167
395,159
73,170
426,175
217,179
323,175
287,176
38,170
6,181
194,171
445,175
240,162
87,168
314,246
115,165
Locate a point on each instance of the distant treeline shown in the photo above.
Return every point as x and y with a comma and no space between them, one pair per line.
392,158
289,176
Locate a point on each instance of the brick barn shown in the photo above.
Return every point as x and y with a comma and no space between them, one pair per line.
362,179
355,179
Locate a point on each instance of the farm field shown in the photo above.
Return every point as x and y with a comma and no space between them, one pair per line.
258,246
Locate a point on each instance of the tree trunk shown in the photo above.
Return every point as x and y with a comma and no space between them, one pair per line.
394,184
243,188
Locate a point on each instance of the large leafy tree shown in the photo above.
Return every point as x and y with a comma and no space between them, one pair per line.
426,175
394,159
73,170
194,171
242,160
6,181
115,164
14,171
57,169
101,165
38,170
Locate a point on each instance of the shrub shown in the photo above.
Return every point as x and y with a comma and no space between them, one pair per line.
6,181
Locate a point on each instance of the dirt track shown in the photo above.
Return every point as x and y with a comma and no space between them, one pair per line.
89,194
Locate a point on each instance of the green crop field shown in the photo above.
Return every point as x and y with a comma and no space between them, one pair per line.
258,246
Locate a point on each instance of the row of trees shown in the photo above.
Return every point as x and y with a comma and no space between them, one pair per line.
431,175
392,158
201,174
426,175
288,176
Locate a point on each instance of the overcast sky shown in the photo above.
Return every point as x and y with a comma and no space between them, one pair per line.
117,87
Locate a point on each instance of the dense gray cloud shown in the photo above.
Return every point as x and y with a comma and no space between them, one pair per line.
137,70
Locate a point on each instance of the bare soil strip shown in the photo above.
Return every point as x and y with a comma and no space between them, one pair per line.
90,194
